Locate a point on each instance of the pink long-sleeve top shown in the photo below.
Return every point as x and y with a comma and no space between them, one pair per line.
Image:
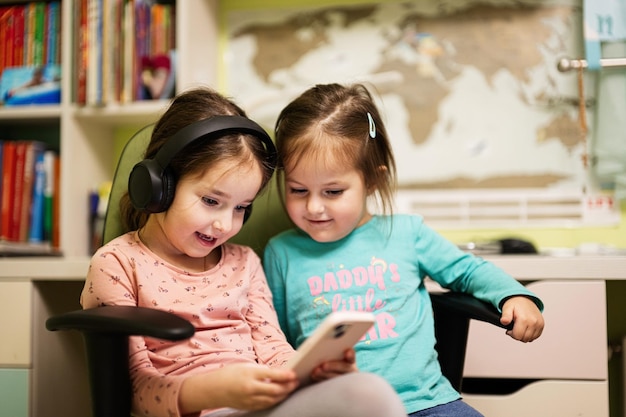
230,307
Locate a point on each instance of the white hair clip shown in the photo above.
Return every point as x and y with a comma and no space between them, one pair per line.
372,125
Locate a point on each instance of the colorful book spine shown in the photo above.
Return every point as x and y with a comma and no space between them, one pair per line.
36,231
18,184
39,30
53,28
118,54
129,51
8,187
142,45
32,149
56,204
19,16
29,34
94,63
7,24
82,51
3,36
49,165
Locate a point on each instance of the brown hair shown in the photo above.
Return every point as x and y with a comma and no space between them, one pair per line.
186,108
342,121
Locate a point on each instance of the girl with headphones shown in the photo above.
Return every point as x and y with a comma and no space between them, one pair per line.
205,164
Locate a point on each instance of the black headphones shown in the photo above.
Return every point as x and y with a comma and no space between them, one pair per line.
151,185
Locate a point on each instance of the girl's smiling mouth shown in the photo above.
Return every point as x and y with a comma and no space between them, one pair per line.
206,238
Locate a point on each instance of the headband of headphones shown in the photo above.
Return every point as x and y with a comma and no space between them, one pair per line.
213,127
151,188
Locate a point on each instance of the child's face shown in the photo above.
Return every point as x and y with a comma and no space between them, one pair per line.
326,203
207,210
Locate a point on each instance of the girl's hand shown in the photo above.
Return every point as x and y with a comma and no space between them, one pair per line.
241,386
332,369
524,313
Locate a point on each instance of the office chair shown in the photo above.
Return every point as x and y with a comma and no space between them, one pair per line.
106,330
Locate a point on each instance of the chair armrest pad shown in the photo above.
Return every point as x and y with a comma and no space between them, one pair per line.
467,306
124,320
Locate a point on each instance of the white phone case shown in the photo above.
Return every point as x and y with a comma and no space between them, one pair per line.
338,332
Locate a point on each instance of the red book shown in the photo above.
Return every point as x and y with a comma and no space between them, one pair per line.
8,174
18,184
19,58
3,35
82,51
7,26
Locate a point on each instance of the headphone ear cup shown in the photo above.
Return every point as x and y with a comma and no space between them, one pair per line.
168,191
145,186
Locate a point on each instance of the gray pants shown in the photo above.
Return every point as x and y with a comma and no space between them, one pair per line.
357,394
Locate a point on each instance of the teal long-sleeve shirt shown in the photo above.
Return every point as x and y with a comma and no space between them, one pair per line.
381,267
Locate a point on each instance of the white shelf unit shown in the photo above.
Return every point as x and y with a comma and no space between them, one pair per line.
87,133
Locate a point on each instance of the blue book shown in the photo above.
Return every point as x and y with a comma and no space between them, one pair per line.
36,232
52,35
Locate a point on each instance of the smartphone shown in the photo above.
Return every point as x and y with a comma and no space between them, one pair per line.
339,331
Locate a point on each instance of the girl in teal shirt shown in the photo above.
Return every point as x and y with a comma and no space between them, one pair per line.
335,156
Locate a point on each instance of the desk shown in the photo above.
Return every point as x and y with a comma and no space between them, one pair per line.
41,373
568,364
46,369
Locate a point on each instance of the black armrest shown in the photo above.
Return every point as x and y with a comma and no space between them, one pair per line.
468,306
126,320
105,331
452,312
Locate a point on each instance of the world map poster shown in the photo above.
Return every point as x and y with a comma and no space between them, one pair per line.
469,90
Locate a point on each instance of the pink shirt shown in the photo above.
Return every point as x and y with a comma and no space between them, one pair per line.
230,306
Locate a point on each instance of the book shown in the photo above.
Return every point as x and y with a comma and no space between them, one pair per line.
7,25
18,180
30,85
94,62
3,36
139,45
29,34
8,175
82,51
118,55
35,233
53,28
56,204
129,52
32,149
52,198
19,29
38,32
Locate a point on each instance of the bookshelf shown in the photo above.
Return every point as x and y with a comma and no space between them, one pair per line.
85,134
37,287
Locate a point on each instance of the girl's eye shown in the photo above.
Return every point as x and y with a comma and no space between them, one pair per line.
334,193
241,208
297,190
209,201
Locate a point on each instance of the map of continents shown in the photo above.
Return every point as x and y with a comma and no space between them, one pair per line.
469,90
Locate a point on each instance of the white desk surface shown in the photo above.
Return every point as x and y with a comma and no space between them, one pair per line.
540,267
43,268
522,267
